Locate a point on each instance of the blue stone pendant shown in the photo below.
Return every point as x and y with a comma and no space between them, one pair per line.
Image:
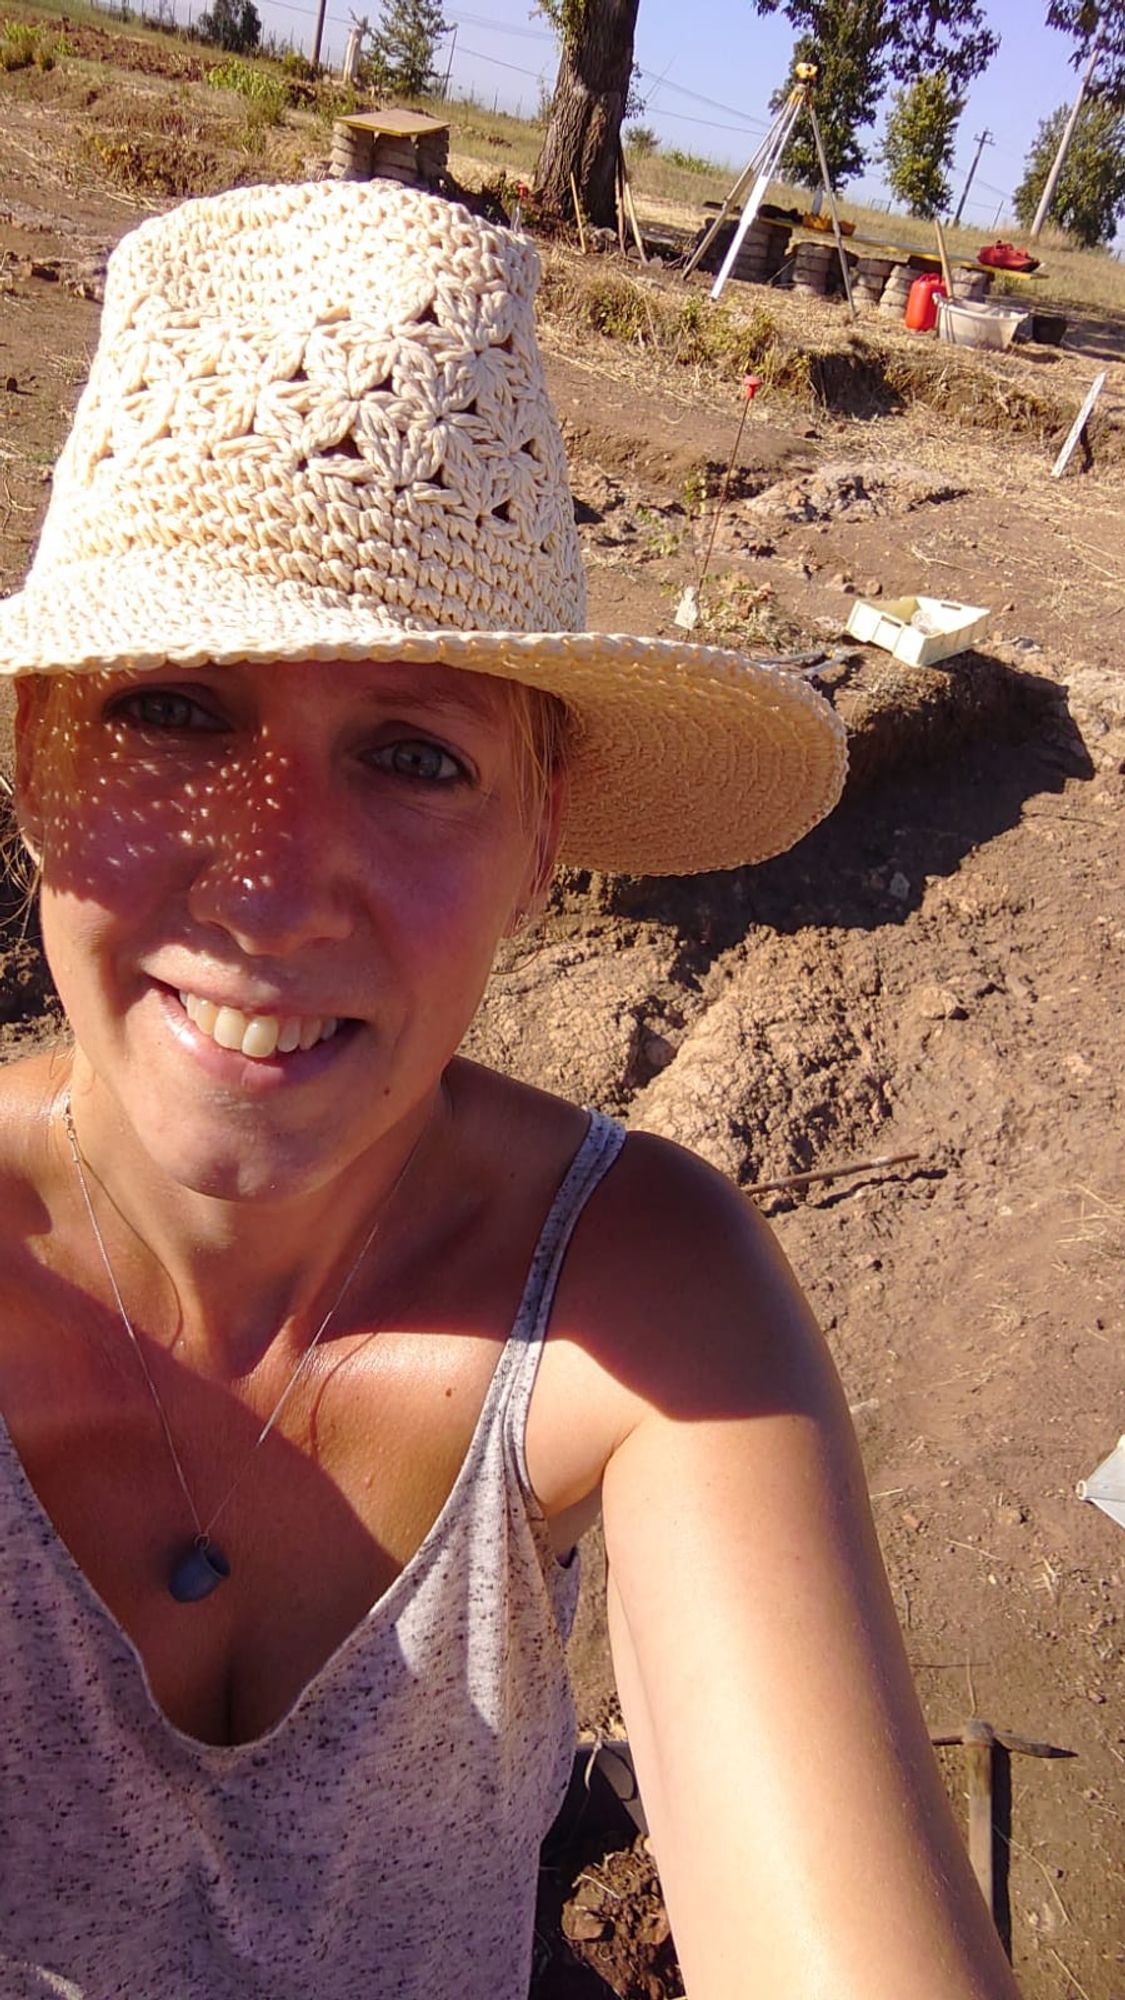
198,1573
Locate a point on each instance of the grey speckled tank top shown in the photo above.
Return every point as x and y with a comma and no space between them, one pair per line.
383,1838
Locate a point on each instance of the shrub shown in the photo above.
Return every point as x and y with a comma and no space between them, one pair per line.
297,66
641,140
691,163
155,163
267,94
22,45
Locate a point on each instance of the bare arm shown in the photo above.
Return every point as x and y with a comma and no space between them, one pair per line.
803,1835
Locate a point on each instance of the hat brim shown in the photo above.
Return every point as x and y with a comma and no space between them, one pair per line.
683,757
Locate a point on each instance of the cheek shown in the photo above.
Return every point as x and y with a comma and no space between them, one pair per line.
449,901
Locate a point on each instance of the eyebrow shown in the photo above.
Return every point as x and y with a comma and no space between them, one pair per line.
468,699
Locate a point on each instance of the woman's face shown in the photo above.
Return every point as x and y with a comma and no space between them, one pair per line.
251,854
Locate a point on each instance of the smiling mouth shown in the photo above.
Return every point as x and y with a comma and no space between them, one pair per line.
259,1036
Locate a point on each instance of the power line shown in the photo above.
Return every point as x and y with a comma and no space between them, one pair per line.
711,103
479,56
685,118
502,27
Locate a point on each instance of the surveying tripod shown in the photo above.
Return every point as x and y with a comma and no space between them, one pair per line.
760,171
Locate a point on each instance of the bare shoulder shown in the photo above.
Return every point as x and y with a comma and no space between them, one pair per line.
676,1307
30,1088
679,1282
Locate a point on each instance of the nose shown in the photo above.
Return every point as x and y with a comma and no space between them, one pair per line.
272,868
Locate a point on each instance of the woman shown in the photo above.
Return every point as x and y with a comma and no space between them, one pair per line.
292,1478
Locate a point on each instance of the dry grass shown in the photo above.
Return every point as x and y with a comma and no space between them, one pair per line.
678,325
811,351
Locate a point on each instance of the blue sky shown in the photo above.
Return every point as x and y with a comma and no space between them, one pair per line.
710,69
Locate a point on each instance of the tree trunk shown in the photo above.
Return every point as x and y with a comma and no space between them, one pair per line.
584,133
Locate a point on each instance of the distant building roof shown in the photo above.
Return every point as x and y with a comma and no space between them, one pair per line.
403,124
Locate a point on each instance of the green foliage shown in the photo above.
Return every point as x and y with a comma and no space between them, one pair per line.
844,102
299,68
918,143
335,101
858,45
399,53
1089,201
268,94
1085,19
565,16
22,46
231,24
690,163
641,140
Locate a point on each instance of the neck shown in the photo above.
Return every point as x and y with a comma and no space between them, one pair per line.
219,1281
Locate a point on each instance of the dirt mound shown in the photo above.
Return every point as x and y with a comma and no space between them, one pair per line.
864,491
761,1085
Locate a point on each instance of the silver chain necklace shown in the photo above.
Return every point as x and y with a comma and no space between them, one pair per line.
198,1570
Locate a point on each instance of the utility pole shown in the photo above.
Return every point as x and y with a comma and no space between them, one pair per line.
983,139
318,32
449,67
1048,194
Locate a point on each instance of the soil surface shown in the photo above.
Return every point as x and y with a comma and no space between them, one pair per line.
939,973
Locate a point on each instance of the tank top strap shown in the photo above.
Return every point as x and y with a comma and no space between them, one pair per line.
595,1156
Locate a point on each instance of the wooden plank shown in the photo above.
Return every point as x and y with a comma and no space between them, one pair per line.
1079,425
411,123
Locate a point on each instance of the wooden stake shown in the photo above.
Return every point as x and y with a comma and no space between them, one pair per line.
578,215
1079,425
946,273
832,1174
631,212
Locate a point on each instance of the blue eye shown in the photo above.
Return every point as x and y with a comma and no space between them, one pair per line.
165,708
418,759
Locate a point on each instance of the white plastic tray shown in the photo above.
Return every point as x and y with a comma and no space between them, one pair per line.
918,630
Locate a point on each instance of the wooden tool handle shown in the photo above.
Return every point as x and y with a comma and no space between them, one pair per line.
978,1757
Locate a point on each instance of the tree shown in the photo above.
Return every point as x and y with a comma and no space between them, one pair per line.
858,45
592,96
233,25
400,51
918,143
842,94
1087,21
1089,201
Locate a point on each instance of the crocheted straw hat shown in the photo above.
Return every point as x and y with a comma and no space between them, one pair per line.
317,427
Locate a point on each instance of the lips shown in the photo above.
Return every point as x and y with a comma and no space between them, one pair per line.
259,1036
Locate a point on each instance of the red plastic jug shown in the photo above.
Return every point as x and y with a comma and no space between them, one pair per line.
921,305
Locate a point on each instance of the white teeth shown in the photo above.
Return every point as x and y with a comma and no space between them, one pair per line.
257,1035
229,1028
260,1038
